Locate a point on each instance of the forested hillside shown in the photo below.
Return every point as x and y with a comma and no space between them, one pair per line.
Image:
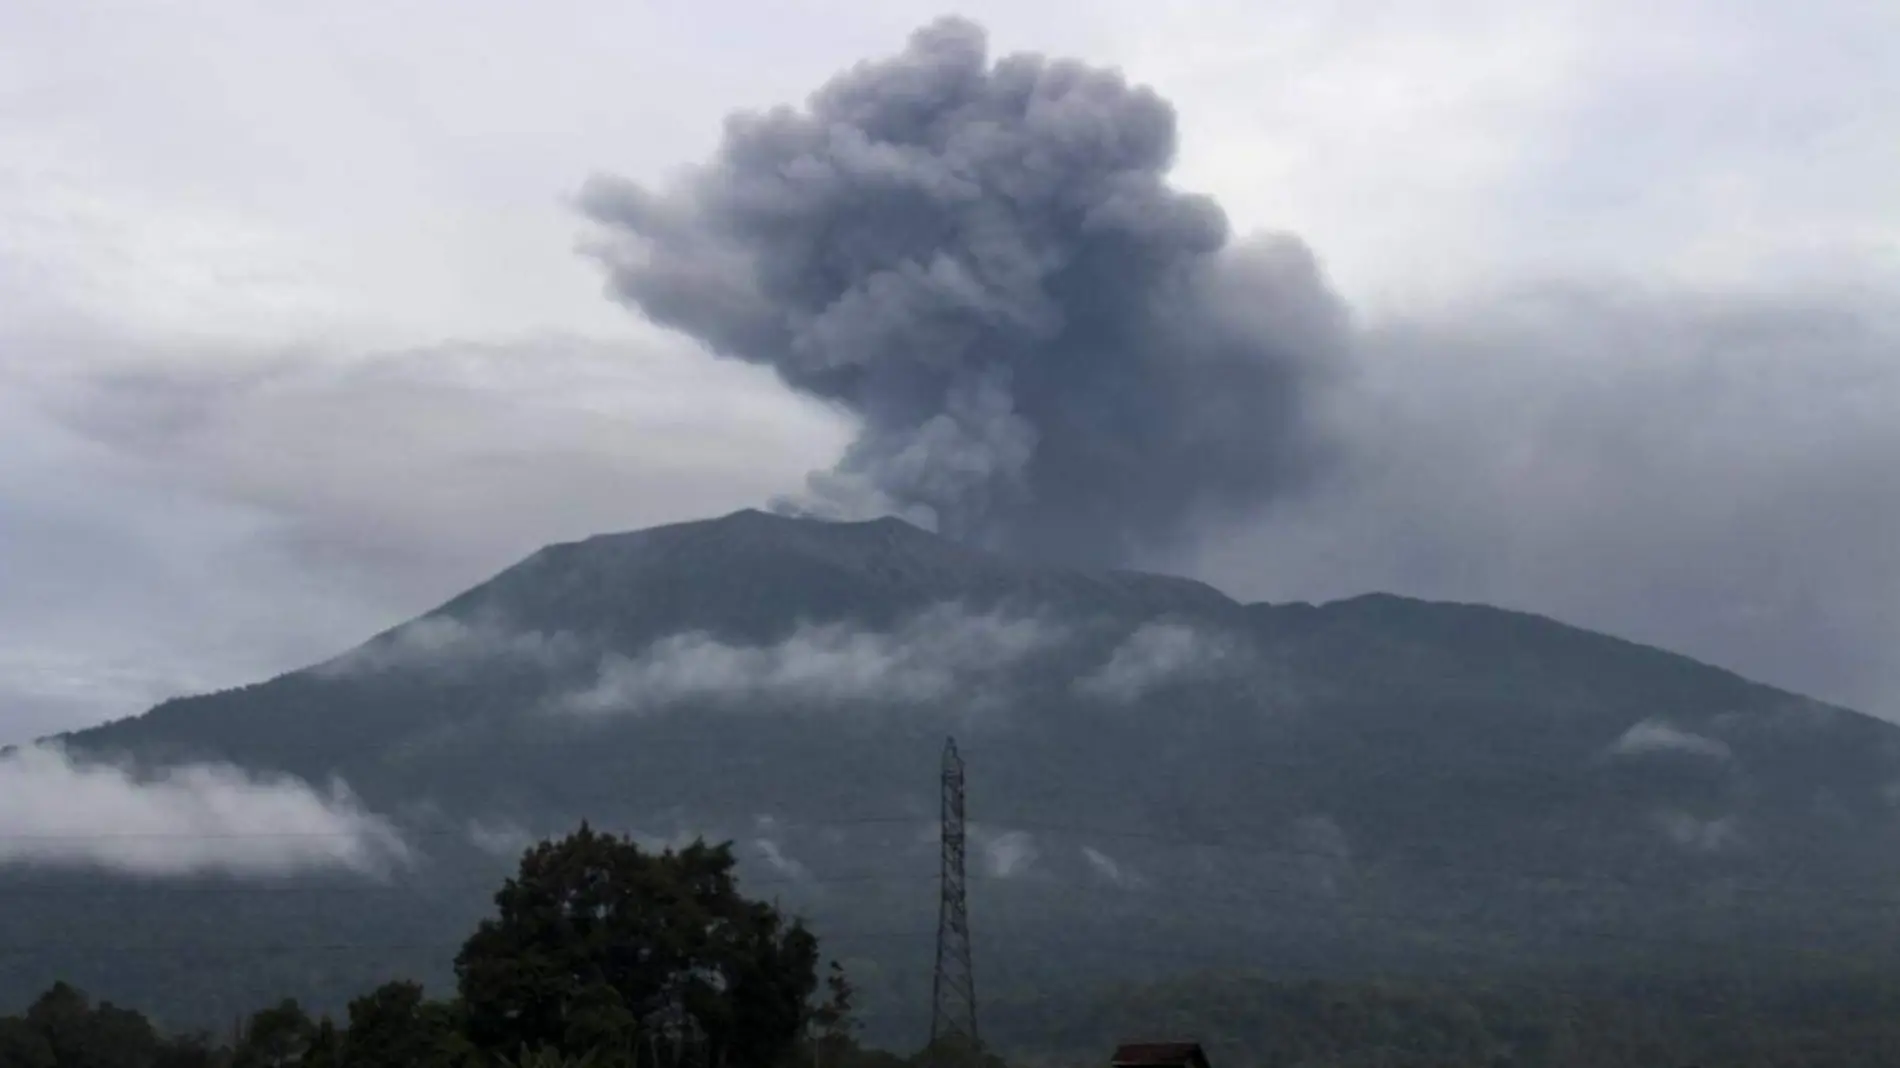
1162,782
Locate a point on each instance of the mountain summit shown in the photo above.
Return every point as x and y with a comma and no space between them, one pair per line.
1161,778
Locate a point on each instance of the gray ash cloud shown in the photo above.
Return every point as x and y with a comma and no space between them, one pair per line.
1048,347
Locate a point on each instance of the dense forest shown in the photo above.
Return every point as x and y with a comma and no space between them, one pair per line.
597,952
600,953
1374,787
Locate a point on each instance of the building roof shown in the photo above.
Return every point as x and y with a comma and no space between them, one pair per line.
1160,1055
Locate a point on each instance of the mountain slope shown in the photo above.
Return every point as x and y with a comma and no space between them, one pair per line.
1161,778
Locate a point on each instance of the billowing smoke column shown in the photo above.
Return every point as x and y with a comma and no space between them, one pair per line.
1049,349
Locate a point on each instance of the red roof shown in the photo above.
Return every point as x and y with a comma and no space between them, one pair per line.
1160,1055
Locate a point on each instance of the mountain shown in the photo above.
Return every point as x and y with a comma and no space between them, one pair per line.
1161,780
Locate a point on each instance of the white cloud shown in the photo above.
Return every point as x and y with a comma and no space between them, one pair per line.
1110,869
1701,835
1154,655
941,651
1320,835
1005,854
1658,736
775,856
501,838
186,820
445,645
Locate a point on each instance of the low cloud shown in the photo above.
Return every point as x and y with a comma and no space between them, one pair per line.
1658,736
1698,834
501,838
444,645
776,857
1322,850
1153,656
1321,836
930,656
1110,869
1005,854
197,819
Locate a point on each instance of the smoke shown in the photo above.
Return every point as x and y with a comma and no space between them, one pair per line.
191,820
930,656
1049,348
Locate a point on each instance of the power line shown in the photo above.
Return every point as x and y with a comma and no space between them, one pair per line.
420,890
443,832
279,948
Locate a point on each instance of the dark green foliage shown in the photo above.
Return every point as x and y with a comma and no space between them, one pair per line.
1254,1022
833,1023
594,937
395,1026
1375,786
1243,1021
22,1045
957,1052
326,1047
277,1037
64,1029
594,947
188,1051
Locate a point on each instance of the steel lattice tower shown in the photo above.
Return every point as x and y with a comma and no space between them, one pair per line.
953,993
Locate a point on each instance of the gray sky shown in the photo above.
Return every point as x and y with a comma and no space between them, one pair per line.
295,342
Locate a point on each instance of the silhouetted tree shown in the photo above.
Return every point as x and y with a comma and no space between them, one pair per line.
276,1037
394,1026
326,1047
596,940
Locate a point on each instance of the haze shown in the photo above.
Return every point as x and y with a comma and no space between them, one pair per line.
296,336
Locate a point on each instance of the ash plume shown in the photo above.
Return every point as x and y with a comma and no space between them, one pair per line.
1048,347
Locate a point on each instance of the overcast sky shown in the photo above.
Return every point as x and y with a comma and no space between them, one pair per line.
295,342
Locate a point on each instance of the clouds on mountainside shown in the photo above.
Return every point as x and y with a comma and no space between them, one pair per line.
1697,834
190,820
941,651
1004,853
445,645
1154,655
1659,736
1111,870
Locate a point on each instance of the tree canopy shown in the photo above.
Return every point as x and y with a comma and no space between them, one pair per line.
598,944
